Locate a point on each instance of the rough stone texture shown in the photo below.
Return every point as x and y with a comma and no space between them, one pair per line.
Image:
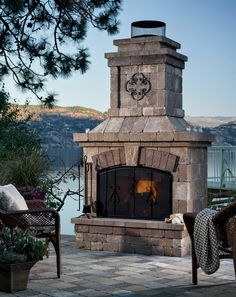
149,132
135,236
131,155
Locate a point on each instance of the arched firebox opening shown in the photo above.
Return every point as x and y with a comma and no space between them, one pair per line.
134,192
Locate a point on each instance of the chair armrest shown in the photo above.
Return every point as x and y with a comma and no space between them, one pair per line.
31,218
225,213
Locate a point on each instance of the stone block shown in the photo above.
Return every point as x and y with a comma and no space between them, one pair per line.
153,59
96,246
80,137
100,230
80,244
94,237
119,61
158,250
81,228
115,238
143,249
172,252
102,160
158,233
181,174
133,240
156,241
127,125
142,160
79,236
174,234
180,190
95,136
125,112
114,124
126,248
164,137
148,136
171,163
123,137
183,153
113,112
109,158
198,155
139,125
129,70
163,161
145,232
116,156
118,231
148,111
132,232
179,206
122,156
136,111
111,247
149,157
87,245
136,60
131,155
134,137
175,62
114,103
111,136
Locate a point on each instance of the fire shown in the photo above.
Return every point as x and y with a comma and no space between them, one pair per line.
147,186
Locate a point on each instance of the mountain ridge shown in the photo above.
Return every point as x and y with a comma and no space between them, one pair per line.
56,126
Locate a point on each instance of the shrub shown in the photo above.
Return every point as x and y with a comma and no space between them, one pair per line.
17,245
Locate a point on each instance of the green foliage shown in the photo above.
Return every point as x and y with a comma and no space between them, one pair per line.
29,168
17,245
40,39
15,135
21,159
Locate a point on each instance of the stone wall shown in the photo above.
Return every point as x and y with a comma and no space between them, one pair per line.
131,236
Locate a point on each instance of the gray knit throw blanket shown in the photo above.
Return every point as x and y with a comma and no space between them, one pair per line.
205,241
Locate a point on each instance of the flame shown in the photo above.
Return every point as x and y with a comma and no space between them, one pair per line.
147,186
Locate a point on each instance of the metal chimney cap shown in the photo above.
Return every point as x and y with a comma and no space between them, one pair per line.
148,28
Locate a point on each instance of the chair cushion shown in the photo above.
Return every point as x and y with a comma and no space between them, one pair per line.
11,199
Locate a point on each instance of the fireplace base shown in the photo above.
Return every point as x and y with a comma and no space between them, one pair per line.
131,236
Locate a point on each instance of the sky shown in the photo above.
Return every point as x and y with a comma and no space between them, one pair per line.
204,28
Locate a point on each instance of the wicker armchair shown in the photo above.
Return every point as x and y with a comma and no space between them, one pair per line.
225,221
43,221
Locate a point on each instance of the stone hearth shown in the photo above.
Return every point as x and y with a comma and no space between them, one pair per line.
131,236
145,128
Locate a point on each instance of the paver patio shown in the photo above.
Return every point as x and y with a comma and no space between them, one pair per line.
87,273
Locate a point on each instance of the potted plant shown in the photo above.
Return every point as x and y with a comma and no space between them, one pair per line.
19,251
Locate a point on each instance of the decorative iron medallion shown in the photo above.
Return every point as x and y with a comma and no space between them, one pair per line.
138,86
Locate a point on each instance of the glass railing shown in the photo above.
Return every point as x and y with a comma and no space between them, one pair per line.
222,167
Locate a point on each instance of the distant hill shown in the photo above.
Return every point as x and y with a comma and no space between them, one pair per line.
204,121
56,127
71,111
225,134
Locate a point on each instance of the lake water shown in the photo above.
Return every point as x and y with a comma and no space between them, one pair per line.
70,209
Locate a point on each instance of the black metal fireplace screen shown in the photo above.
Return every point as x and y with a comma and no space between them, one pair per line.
134,192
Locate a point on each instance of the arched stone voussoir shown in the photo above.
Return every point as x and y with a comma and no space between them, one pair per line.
109,158
158,159
147,157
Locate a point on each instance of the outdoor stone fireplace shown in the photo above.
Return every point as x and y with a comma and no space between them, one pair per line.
144,162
